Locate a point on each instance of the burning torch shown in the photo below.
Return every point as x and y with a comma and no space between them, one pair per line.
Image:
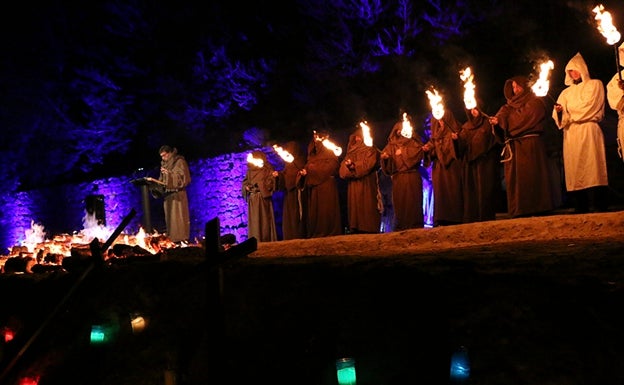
542,84
406,127
284,154
255,161
435,100
606,28
437,105
367,136
470,100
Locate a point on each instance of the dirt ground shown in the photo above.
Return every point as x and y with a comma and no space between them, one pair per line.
563,233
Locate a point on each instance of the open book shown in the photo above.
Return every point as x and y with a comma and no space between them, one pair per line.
150,179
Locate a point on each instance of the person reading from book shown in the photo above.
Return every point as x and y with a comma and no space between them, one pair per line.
174,177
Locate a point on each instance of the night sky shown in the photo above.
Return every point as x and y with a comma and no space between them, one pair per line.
92,90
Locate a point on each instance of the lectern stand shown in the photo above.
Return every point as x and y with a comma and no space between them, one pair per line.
146,185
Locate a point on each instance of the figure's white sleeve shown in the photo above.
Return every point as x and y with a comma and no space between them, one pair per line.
565,115
615,93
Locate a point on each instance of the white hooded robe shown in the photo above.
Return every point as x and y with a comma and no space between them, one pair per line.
584,155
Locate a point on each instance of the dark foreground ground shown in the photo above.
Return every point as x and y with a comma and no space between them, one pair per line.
543,308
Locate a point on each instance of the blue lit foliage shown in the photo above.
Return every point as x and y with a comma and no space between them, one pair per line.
223,86
394,39
450,19
104,125
354,32
341,35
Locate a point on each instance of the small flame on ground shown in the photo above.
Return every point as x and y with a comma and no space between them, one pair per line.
36,246
34,236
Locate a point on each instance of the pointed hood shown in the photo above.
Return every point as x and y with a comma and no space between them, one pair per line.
576,63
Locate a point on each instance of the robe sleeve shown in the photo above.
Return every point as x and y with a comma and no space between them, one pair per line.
365,161
615,95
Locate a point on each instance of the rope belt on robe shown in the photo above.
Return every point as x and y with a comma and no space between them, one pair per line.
300,204
507,153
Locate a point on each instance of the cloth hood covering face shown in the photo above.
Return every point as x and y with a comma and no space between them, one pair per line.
296,151
523,81
396,138
317,149
449,122
354,145
577,63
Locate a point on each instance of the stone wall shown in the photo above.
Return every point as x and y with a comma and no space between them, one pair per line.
215,191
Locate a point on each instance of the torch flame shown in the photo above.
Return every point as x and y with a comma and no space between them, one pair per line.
540,88
467,77
331,146
605,25
406,129
366,134
435,100
284,154
255,161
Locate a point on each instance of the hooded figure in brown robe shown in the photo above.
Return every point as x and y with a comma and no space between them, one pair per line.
480,151
318,178
401,159
519,125
447,170
359,168
258,187
293,209
175,176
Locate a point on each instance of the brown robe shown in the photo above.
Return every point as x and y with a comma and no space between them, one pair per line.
407,185
359,169
446,171
293,213
482,179
176,206
258,186
527,174
323,200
